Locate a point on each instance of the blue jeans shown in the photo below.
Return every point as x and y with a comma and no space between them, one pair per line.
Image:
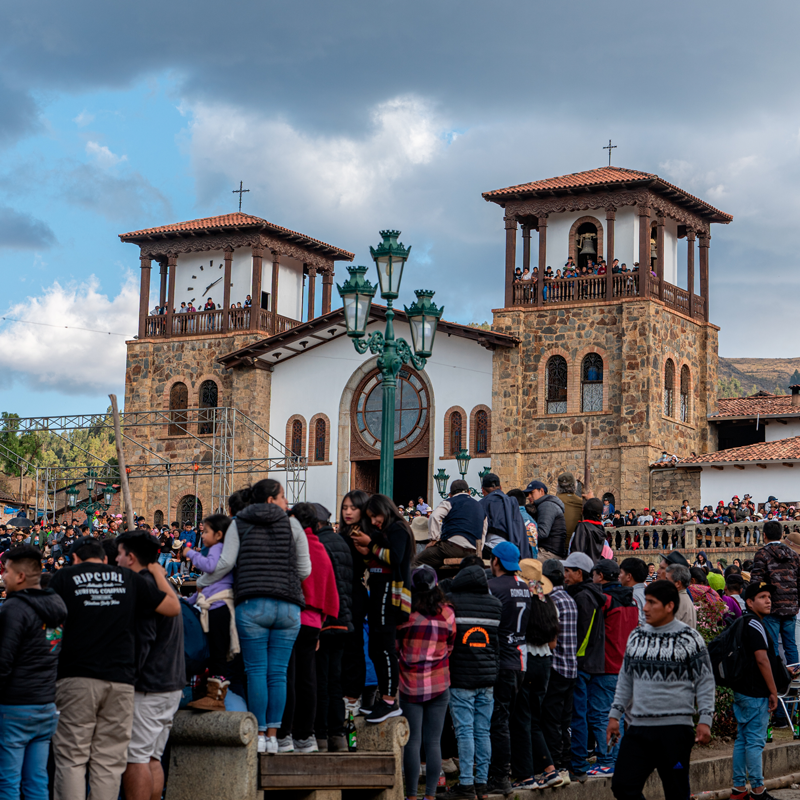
267,630
163,558
782,629
591,702
471,710
752,716
25,733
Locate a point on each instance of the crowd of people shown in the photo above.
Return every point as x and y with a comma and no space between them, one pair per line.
520,652
572,270
209,305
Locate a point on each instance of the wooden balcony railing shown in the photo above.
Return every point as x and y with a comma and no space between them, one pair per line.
204,323
592,289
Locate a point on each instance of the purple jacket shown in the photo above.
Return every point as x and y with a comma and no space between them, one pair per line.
209,564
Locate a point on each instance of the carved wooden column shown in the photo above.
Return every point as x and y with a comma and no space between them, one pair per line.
511,258
526,246
312,290
172,266
327,290
644,251
162,290
226,301
276,260
690,237
255,293
542,259
611,215
661,220
144,296
705,241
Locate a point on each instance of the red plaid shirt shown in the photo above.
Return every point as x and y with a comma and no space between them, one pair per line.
424,645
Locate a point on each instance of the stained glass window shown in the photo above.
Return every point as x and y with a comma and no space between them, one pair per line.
208,400
297,438
319,440
556,385
178,403
592,383
684,393
481,433
669,388
456,433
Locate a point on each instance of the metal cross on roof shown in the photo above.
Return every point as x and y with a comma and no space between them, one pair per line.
609,148
241,191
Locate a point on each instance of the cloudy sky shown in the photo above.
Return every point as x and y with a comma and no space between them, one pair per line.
344,118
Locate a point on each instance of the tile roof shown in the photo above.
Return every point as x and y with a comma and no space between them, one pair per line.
779,450
763,404
223,221
603,176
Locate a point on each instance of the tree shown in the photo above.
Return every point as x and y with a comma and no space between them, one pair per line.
795,379
729,388
16,447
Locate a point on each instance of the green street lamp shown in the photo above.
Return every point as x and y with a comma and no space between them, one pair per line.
357,293
72,496
441,478
484,472
108,495
90,479
463,458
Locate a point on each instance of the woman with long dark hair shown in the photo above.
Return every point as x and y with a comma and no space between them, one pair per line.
388,545
272,562
424,645
352,521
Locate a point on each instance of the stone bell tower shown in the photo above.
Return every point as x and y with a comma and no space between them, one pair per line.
628,352
258,276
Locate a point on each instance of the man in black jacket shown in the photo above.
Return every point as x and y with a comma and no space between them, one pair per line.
329,726
31,621
474,665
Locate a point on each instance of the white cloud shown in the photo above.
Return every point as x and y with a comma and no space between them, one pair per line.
343,171
83,119
104,157
63,358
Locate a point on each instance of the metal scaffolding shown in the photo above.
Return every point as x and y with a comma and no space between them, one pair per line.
221,427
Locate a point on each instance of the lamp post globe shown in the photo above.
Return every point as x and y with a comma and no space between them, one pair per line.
90,479
72,496
390,257
356,294
484,472
108,495
463,458
441,478
423,317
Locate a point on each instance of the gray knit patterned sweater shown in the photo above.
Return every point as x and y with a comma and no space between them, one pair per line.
665,671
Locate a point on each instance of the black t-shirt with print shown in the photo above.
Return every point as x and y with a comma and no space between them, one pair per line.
103,603
754,638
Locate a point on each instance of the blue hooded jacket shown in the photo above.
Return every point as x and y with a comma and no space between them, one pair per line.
504,519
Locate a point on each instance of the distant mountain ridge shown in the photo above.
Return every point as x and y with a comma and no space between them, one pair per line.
745,376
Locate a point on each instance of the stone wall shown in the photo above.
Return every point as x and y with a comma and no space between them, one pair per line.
153,367
634,339
669,487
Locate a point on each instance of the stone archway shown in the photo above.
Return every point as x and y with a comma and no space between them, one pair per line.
343,460
573,245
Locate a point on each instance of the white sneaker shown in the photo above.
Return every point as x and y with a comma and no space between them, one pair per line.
564,773
285,745
306,745
272,745
449,766
351,707
262,742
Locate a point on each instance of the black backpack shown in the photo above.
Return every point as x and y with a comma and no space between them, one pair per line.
727,656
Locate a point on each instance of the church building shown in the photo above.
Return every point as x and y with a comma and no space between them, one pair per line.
302,394
261,378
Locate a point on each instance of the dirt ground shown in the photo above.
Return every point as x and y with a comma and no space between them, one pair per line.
724,747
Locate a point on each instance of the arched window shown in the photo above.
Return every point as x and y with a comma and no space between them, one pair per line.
158,519
592,383
297,438
669,388
456,433
319,440
178,403
556,385
208,400
190,509
684,393
481,433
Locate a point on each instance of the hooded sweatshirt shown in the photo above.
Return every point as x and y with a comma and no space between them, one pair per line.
30,640
551,525
779,565
504,520
590,600
589,538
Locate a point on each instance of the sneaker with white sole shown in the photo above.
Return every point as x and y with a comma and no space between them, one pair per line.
306,745
449,766
564,773
272,745
262,742
285,745
382,711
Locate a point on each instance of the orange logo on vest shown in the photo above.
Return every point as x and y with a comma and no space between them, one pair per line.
475,644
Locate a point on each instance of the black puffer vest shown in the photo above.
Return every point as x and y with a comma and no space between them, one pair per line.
267,561
475,659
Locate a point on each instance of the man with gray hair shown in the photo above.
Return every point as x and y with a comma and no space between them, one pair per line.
681,577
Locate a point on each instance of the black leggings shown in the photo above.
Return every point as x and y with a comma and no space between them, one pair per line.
383,635
354,666
425,723
330,703
301,687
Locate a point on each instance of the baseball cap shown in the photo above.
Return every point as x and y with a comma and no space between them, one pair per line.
607,567
755,589
508,554
552,567
578,561
535,485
